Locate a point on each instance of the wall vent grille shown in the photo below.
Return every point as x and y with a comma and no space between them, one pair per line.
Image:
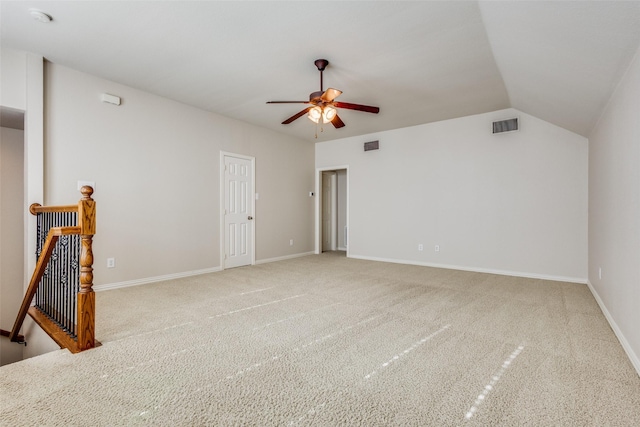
509,125
371,145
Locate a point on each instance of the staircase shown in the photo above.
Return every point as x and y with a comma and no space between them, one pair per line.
60,296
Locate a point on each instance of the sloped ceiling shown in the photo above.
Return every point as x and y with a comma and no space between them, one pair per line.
419,62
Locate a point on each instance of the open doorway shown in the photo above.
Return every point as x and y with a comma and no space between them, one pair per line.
12,201
332,207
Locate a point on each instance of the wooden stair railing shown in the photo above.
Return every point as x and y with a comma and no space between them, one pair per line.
54,312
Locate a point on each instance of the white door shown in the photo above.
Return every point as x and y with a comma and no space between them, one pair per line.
238,211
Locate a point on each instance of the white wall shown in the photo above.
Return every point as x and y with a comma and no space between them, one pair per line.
21,88
513,203
155,163
11,236
13,84
614,211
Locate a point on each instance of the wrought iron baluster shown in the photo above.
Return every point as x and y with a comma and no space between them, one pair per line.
55,277
56,296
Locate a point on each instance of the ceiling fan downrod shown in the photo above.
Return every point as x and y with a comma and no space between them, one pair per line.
321,64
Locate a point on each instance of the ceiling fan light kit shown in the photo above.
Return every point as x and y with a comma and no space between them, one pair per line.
314,114
323,104
327,113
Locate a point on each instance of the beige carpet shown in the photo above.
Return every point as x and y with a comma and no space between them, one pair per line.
330,341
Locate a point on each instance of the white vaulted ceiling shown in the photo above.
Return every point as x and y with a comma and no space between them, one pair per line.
419,62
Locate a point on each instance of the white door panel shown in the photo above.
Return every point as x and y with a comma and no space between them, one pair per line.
238,215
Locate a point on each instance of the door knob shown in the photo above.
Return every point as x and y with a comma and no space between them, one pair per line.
249,217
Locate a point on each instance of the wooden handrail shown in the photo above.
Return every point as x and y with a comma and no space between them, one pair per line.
4,333
86,228
43,260
37,208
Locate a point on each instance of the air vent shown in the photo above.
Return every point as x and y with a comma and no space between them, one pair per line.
509,125
371,145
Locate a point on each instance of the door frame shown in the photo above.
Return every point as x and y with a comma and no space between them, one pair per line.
318,207
333,213
252,201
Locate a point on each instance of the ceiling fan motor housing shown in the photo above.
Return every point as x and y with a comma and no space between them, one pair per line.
315,96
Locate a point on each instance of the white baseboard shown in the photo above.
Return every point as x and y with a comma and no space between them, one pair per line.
137,282
282,258
633,357
478,270
155,279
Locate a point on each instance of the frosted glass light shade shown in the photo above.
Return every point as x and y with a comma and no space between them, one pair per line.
314,114
328,114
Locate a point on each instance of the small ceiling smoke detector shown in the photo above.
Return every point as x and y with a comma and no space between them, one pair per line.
39,15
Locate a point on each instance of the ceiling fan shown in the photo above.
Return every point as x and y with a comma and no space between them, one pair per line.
323,104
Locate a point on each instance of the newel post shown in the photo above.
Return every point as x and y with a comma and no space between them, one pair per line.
86,296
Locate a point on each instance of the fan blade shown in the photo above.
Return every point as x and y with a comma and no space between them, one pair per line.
365,108
337,122
296,116
330,94
287,102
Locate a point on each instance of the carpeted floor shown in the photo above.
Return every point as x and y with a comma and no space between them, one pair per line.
329,341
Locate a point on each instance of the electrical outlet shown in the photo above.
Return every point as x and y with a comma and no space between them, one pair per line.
437,248
291,242
111,262
600,273
420,247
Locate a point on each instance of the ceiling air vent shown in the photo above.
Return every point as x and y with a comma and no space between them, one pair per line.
509,125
